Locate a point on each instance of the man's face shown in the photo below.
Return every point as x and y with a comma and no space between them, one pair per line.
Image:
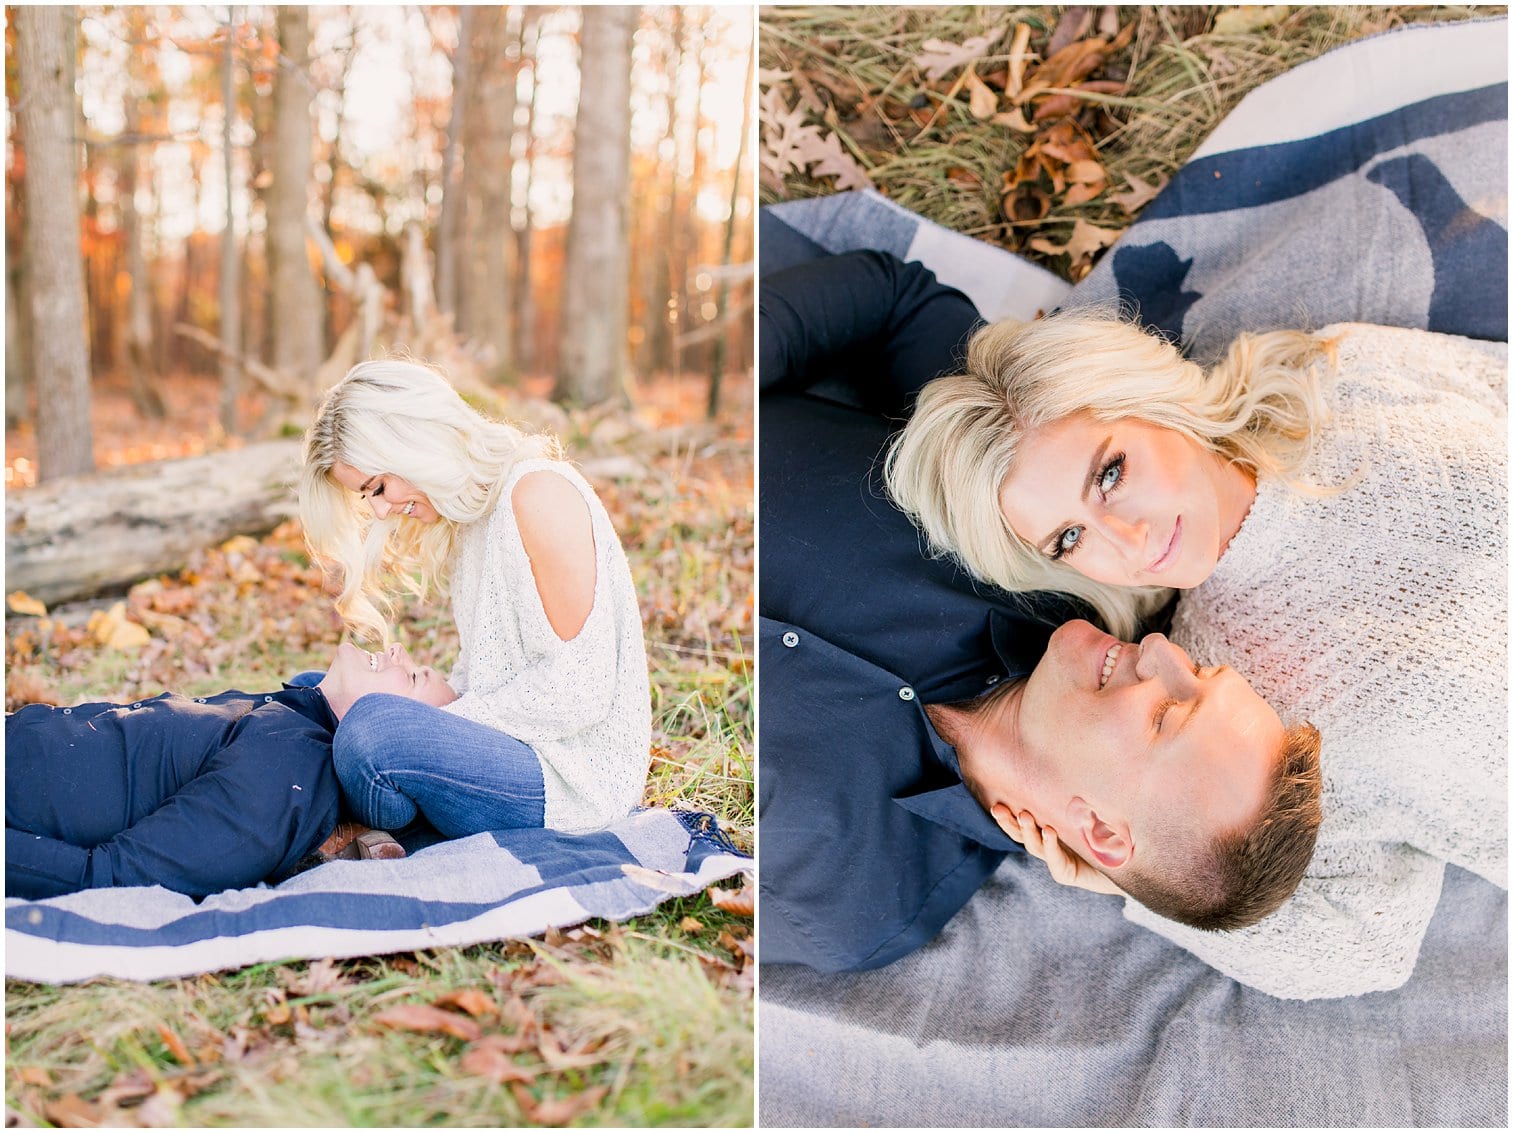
356,672
1141,734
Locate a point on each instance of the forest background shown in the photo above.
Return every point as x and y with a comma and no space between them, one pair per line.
554,205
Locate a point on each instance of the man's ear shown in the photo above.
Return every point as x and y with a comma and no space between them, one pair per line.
1104,842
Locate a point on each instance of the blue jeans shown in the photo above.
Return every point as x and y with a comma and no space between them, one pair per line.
397,758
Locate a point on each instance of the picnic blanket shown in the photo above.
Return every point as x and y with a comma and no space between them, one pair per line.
486,887
1367,185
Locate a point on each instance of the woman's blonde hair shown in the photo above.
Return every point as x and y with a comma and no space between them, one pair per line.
397,416
1260,407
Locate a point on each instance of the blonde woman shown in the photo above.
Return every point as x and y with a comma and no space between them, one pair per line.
406,487
1331,509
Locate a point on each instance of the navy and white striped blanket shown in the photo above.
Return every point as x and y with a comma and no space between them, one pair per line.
487,887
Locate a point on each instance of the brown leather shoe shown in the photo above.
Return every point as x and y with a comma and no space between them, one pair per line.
378,845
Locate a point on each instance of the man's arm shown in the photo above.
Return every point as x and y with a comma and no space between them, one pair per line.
882,326
262,802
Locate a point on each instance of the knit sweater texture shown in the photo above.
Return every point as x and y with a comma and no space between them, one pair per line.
583,705
1380,616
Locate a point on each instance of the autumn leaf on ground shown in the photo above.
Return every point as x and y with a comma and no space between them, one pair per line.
476,1003
557,1111
982,102
175,1045
1086,241
940,56
23,603
1248,18
111,629
783,134
490,1060
1072,26
1140,192
826,158
321,976
424,1018
1019,55
739,902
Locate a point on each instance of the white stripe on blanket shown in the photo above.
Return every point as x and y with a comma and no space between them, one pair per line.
486,887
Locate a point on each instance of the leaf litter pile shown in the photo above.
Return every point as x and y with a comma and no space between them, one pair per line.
1042,130
646,1022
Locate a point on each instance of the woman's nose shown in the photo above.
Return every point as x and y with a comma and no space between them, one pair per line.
396,652
381,506
1126,536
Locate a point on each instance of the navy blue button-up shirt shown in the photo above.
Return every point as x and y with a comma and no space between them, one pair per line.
194,794
868,840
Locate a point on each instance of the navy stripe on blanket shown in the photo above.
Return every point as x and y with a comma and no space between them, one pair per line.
1263,175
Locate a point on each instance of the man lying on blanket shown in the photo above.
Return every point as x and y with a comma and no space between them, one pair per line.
194,794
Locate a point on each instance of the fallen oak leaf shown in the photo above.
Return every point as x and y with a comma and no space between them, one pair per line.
425,1019
940,56
981,100
493,1062
1140,192
476,1003
73,1112
557,1111
23,603
738,902
825,157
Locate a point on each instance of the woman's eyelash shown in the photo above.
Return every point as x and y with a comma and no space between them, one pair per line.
1115,465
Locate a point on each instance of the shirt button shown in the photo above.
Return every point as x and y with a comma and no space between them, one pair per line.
138,704
68,712
906,693
790,639
199,700
267,700
993,680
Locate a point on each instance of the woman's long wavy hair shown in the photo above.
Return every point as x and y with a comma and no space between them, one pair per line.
1260,407
395,415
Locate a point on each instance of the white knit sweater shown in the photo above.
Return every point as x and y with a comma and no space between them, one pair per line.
1379,615
584,705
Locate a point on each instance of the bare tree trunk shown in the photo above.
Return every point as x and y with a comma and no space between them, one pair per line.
663,298
717,358
592,355
60,351
525,296
449,226
138,337
298,337
17,352
231,330
490,127
692,314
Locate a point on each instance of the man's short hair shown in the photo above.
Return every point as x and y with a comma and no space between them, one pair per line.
1247,873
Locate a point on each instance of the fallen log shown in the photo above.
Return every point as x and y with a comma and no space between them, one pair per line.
79,535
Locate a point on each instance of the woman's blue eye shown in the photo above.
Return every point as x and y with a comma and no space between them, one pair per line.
1068,541
1113,472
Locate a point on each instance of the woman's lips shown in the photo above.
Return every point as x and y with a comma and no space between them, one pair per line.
1170,554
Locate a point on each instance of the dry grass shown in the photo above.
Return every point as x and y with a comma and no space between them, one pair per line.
852,69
